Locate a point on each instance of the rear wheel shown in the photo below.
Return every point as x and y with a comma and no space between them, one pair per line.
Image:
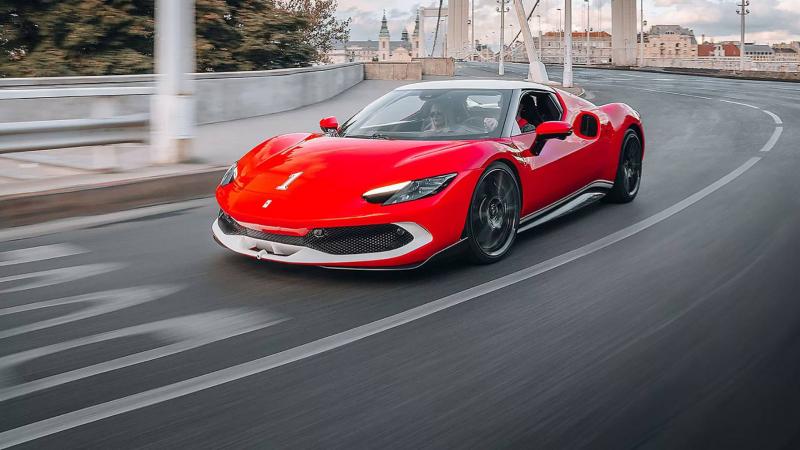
493,216
629,170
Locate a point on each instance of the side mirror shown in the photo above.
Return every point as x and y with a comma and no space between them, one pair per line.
550,130
329,125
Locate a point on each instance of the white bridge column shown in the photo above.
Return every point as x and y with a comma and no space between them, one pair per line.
172,117
623,32
458,28
536,70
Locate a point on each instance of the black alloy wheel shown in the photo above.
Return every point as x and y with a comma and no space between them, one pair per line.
493,217
629,172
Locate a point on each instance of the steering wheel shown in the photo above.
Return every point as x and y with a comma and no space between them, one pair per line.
476,123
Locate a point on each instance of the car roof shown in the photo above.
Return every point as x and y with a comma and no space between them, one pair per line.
476,84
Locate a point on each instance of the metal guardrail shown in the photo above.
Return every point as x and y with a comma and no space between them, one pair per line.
53,134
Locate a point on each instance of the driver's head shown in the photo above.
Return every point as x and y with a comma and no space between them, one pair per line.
527,107
437,114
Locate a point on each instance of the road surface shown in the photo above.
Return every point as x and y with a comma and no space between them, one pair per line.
671,322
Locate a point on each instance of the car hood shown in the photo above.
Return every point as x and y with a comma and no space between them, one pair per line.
348,164
334,174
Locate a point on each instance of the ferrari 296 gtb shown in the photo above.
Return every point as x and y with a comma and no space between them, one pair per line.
424,168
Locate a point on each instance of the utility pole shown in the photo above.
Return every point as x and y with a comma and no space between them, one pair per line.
560,36
539,16
642,23
472,24
588,40
742,11
502,9
567,79
173,106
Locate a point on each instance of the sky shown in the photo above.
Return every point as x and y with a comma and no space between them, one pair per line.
769,21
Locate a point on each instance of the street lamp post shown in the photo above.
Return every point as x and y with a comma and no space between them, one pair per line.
642,23
560,36
502,9
567,79
539,16
588,40
742,11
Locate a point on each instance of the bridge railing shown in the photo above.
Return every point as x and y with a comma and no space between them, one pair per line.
54,113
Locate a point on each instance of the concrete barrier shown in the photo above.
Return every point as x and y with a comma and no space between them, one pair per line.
437,66
393,70
220,96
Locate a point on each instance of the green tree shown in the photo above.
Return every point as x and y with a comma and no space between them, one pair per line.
83,37
323,28
108,37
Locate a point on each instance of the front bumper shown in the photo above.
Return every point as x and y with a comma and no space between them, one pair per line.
296,253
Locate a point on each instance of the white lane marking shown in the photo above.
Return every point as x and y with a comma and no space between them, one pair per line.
133,402
58,226
774,116
190,332
772,140
739,103
58,276
101,303
672,93
41,253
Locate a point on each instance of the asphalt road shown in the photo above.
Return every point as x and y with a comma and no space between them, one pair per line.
671,322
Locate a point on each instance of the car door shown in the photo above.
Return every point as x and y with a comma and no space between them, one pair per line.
561,168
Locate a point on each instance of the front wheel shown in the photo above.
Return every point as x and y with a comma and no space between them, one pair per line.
629,170
493,216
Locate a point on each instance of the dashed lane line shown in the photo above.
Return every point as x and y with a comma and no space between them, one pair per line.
58,226
40,253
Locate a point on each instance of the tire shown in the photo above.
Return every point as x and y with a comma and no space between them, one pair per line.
493,216
629,170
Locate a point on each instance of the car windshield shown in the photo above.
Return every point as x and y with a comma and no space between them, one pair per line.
432,114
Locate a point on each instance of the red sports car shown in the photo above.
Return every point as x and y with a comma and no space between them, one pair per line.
425,167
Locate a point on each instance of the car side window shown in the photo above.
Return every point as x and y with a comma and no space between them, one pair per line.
527,117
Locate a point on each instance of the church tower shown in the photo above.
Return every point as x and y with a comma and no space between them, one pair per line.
415,40
384,51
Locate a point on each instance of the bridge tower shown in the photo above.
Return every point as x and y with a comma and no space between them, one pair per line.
458,29
623,32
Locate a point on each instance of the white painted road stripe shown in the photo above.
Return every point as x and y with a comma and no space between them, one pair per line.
41,253
772,140
739,103
774,116
190,331
58,276
58,226
155,396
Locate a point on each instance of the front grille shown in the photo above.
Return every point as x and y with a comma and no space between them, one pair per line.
356,240
230,226
334,241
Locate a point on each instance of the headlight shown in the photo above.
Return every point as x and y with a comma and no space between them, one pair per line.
408,190
230,174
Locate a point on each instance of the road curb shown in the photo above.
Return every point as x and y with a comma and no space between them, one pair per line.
30,208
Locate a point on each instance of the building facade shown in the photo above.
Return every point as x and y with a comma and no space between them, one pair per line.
670,41
596,50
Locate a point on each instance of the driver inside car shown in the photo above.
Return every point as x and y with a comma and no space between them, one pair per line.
528,117
440,121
